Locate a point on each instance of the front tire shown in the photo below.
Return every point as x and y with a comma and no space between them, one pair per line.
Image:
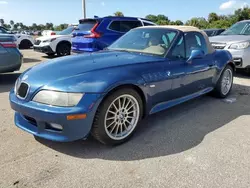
25,44
63,49
225,83
117,117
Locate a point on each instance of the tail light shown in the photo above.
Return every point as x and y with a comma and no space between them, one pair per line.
8,44
53,33
93,34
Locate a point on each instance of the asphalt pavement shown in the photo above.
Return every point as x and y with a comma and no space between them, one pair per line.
202,143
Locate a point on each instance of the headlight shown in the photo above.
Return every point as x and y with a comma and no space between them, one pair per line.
50,40
16,85
240,45
56,98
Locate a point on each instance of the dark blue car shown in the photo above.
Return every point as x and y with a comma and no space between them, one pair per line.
107,93
98,33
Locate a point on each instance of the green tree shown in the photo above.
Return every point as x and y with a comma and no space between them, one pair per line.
212,17
61,27
118,13
179,22
242,14
152,17
162,17
159,19
1,22
12,22
162,22
21,25
34,26
199,22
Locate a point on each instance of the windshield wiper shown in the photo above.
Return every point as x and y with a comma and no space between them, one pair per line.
120,50
244,34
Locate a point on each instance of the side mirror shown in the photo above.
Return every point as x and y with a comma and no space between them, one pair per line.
196,54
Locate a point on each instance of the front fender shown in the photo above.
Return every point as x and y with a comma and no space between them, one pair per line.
101,81
223,58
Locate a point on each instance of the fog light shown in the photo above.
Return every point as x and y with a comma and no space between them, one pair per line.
56,126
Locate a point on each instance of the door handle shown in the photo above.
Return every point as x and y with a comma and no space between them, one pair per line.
212,64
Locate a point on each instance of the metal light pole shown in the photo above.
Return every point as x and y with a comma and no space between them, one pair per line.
84,8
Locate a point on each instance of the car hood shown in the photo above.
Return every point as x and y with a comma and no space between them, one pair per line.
229,38
66,67
43,38
22,35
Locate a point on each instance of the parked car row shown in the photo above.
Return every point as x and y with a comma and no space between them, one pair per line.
98,33
23,41
89,36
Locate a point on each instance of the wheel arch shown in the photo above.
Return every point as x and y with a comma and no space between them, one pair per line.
63,42
230,63
130,86
23,41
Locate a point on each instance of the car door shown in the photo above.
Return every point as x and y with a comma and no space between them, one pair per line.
176,68
197,71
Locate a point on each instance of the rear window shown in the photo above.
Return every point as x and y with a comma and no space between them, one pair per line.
2,30
67,31
86,25
124,26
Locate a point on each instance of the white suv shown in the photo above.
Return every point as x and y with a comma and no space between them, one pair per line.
55,44
23,41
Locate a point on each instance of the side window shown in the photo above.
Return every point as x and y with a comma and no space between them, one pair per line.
168,38
128,25
165,40
178,51
198,40
147,24
171,36
115,26
124,26
194,40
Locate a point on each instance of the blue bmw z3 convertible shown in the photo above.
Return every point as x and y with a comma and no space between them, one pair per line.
107,93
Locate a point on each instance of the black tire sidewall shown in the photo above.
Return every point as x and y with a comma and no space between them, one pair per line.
25,44
50,54
99,129
218,90
60,47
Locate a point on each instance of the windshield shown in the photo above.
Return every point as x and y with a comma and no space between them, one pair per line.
67,31
146,40
86,25
240,28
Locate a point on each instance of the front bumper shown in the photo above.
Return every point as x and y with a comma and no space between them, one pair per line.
44,49
241,57
36,118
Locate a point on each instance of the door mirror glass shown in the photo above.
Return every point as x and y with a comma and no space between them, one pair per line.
196,54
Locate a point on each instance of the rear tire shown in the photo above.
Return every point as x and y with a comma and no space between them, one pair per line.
117,117
225,83
63,49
